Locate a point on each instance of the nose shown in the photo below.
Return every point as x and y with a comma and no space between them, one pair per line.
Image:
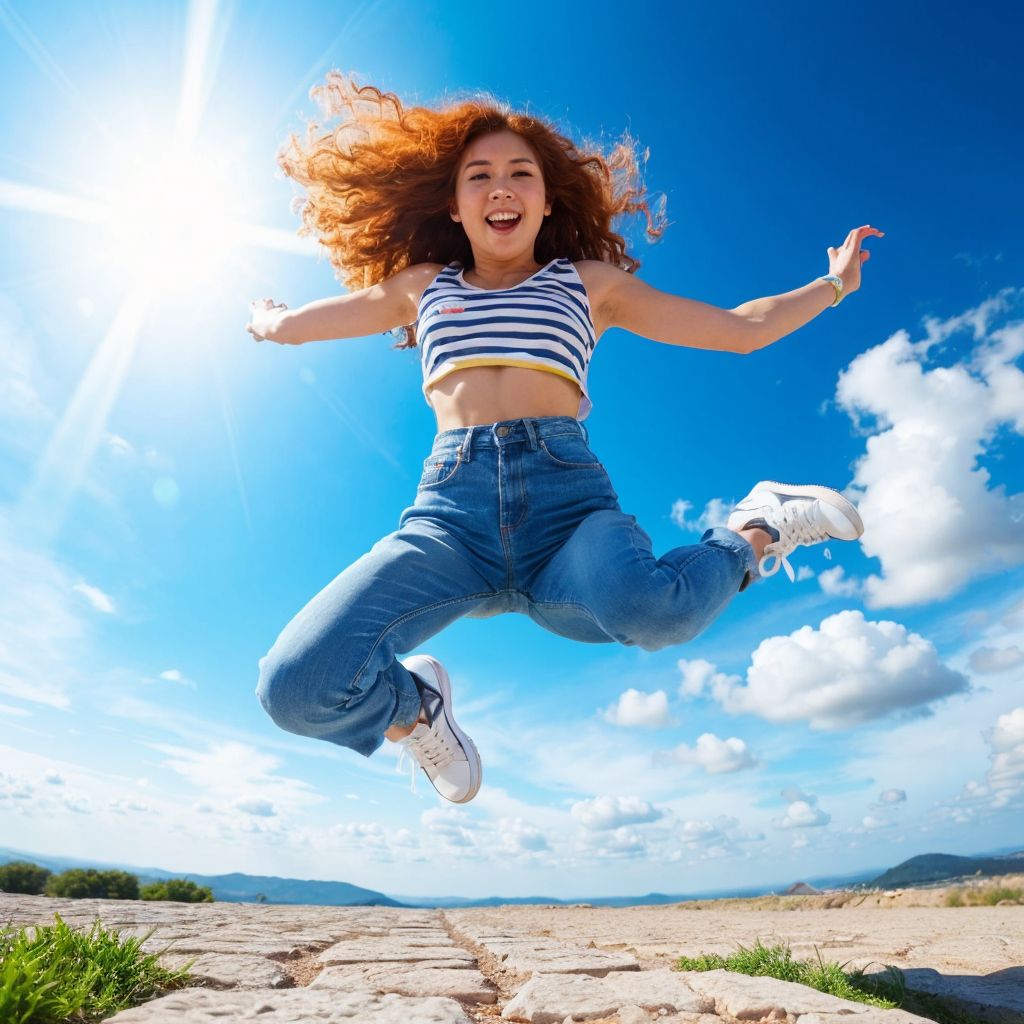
501,192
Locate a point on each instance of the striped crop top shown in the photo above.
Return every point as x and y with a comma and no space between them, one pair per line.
542,323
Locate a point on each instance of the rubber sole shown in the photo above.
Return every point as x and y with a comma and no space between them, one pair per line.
472,754
825,494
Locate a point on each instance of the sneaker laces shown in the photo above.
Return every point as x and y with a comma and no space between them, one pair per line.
796,527
429,748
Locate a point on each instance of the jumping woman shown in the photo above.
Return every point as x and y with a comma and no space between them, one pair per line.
486,237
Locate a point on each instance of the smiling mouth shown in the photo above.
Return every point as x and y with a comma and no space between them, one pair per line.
505,225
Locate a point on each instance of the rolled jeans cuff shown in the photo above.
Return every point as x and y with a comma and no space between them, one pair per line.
721,537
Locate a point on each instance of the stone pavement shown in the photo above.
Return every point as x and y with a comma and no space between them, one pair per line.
385,965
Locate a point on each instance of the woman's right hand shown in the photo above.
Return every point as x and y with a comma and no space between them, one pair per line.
264,316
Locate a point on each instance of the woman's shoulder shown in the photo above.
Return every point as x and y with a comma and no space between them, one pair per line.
598,278
415,279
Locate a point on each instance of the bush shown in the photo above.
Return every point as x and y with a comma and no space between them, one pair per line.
983,896
62,975
88,883
177,890
24,877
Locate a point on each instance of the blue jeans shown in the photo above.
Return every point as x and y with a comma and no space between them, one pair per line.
517,516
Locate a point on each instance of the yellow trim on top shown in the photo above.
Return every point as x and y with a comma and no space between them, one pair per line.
500,361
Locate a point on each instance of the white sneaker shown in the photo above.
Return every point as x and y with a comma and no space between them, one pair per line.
805,514
439,746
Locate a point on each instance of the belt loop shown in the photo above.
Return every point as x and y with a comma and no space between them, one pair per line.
464,450
531,434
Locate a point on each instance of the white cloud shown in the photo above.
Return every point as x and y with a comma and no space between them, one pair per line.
892,796
1003,788
846,672
622,844
7,709
835,583
715,755
700,676
128,807
78,803
635,708
715,513
53,778
173,675
22,409
715,839
801,814
452,824
804,572
1014,616
118,446
43,638
520,838
100,601
1006,776
261,808
240,774
987,660
605,812
871,823
932,516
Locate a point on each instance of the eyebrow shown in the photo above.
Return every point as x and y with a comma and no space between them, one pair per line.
487,163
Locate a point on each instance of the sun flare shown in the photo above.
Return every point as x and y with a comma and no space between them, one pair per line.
174,219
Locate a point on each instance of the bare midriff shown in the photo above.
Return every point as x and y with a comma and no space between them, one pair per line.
488,394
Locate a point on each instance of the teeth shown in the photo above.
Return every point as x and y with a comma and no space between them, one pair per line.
503,216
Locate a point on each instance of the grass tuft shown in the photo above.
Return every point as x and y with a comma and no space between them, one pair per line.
983,896
886,991
50,974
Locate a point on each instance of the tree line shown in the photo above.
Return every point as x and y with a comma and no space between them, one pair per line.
29,879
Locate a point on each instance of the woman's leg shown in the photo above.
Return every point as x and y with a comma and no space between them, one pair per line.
333,672
606,580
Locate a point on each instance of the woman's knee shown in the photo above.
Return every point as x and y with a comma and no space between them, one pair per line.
299,688
282,690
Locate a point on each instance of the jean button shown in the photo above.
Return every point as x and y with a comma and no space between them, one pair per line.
503,431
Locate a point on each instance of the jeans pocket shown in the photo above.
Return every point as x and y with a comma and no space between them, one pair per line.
569,451
440,467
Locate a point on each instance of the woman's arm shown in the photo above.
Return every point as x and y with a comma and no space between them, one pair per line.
634,305
373,310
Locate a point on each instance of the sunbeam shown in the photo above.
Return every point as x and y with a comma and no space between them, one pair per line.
43,504
202,17
229,426
33,199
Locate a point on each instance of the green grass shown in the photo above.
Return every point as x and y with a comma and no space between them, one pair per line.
51,974
886,991
986,896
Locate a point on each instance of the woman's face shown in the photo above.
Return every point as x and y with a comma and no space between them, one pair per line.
499,175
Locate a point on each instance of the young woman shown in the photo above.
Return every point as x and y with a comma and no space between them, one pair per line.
487,237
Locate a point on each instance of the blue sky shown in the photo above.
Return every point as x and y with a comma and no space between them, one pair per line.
171,493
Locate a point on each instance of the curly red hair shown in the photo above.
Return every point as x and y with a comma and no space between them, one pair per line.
379,184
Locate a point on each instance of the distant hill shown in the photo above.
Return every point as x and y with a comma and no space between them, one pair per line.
233,888
802,889
239,888
938,867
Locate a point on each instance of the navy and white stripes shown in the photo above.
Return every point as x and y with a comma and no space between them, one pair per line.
543,323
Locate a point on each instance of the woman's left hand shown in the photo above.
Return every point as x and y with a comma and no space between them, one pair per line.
847,259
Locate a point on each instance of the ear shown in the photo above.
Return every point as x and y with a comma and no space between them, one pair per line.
547,209
453,213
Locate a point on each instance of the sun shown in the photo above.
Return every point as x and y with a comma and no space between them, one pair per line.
174,219
170,219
